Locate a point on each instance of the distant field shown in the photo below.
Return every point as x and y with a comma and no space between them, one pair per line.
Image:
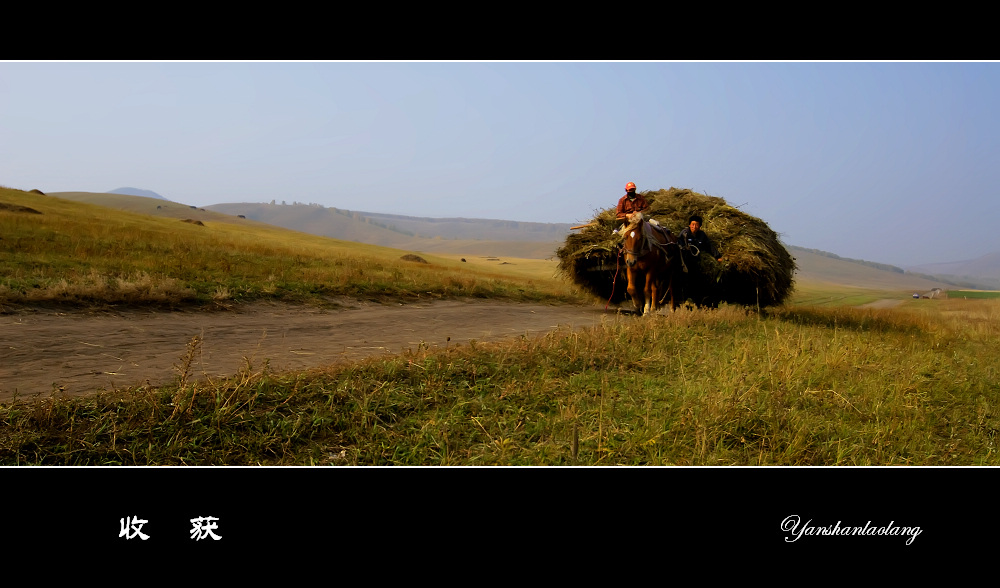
819,293
973,294
535,269
813,268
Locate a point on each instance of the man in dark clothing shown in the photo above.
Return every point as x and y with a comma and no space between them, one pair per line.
693,235
694,242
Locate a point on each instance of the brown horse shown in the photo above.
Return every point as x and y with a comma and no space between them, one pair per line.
652,259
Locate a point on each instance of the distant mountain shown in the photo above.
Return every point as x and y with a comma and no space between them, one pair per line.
981,274
472,228
475,236
822,266
333,222
137,192
881,266
987,266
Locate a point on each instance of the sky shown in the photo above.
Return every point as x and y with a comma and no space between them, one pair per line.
894,162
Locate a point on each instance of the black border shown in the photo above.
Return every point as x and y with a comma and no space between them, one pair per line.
359,513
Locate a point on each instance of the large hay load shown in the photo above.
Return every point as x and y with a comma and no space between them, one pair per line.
756,269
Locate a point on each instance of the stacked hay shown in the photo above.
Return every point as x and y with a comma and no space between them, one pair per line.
756,268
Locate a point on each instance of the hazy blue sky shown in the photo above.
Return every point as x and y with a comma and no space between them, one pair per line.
891,162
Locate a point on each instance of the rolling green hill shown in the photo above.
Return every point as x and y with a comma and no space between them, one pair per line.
93,249
456,235
820,267
459,236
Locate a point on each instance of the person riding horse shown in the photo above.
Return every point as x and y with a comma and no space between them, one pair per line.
632,203
650,252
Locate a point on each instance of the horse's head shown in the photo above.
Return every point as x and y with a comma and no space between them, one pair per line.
639,238
634,243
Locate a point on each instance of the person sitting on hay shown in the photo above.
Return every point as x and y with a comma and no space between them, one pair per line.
693,235
693,242
631,204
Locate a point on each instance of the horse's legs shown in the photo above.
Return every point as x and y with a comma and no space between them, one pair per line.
633,291
647,300
668,289
652,293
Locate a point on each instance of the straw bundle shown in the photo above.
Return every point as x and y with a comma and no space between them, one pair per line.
756,268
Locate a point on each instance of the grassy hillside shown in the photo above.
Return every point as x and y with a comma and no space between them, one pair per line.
985,267
145,205
461,236
814,266
74,252
817,260
466,228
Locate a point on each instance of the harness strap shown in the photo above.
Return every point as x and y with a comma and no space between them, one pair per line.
615,279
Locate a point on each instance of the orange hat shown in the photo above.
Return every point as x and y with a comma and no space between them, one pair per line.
629,186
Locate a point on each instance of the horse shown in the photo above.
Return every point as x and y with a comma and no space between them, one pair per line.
652,260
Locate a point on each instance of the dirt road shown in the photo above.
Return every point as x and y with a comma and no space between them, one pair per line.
81,353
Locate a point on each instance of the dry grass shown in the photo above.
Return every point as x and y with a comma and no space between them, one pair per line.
791,386
74,253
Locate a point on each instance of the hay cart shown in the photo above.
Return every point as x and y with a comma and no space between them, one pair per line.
756,269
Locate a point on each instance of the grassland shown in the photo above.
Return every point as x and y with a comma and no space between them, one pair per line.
76,253
977,294
817,381
797,385
808,293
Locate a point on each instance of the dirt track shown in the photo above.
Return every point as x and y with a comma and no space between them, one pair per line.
81,353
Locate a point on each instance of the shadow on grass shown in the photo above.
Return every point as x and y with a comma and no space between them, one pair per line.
855,319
